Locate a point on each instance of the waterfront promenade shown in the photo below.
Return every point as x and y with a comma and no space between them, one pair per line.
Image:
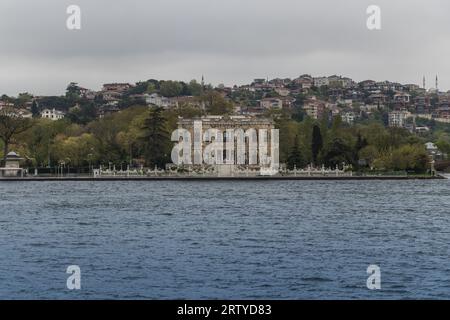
215,178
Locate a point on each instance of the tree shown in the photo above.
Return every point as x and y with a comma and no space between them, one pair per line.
317,143
195,88
77,151
82,113
11,124
171,89
39,139
73,91
216,104
108,130
22,99
361,142
405,158
128,138
336,125
140,88
295,156
443,143
35,109
367,155
60,103
338,153
156,138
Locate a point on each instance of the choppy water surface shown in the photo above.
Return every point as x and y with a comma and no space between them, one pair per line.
237,240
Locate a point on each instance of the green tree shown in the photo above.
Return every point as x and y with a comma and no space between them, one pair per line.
443,143
171,89
11,124
35,109
216,104
40,139
156,138
316,143
295,156
73,91
195,88
368,155
108,130
361,142
75,151
405,158
82,113
22,99
338,153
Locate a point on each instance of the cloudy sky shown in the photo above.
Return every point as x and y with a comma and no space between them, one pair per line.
228,41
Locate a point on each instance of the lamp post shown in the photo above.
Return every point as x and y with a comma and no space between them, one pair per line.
131,154
61,166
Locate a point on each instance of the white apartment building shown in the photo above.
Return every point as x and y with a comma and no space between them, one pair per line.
52,114
398,118
159,101
348,117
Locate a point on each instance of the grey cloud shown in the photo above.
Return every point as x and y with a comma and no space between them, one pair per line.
229,41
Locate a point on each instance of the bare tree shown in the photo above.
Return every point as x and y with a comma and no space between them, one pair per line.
11,124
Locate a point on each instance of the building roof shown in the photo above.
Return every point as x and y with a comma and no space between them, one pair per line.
13,156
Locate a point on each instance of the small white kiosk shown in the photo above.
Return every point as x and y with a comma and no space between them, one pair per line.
12,166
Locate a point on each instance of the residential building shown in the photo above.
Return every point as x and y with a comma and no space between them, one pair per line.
271,103
111,96
284,92
304,81
116,87
340,82
288,102
190,101
159,101
398,118
88,94
4,104
412,87
420,130
443,112
24,113
368,85
422,105
314,108
107,109
321,81
348,117
52,114
369,108
402,97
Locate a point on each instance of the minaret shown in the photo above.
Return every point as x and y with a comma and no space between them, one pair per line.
437,84
424,83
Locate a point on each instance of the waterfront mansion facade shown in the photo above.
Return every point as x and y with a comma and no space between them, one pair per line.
226,141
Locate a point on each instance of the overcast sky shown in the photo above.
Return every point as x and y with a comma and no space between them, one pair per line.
227,41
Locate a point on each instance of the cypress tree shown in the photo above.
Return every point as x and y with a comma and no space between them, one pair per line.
35,109
317,143
155,139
